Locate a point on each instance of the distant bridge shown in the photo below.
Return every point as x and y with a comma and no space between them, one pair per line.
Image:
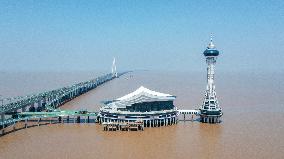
44,105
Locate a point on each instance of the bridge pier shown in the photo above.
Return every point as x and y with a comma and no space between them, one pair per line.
43,103
39,103
3,130
2,117
78,119
26,123
32,108
3,125
14,126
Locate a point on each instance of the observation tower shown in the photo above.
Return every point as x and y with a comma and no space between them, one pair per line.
210,111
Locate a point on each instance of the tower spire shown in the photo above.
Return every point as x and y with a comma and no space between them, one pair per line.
211,44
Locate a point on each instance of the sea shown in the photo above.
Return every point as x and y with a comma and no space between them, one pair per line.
252,124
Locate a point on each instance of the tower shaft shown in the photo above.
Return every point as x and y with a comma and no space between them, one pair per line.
210,101
210,72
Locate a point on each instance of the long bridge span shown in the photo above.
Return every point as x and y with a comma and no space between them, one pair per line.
45,104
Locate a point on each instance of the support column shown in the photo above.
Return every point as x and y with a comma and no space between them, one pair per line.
32,107
14,126
78,119
3,126
3,130
26,123
2,117
39,103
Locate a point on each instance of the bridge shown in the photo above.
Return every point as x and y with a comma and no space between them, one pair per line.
45,105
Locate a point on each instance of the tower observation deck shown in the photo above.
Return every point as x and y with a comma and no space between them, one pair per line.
210,111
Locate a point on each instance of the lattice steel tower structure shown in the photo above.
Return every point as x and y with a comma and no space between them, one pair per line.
210,111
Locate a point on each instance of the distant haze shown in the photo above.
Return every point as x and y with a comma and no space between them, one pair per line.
154,35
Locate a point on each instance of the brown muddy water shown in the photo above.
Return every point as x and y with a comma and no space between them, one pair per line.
252,125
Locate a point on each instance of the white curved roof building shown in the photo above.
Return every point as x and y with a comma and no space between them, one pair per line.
142,104
141,95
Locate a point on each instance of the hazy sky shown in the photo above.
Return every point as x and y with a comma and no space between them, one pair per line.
156,35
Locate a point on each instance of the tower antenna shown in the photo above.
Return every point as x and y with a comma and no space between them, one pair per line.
113,69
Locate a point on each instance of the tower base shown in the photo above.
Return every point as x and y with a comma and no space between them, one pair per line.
210,118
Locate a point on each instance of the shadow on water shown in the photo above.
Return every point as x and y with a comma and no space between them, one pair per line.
22,128
10,129
210,138
195,120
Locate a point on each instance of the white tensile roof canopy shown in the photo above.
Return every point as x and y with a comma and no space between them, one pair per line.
141,95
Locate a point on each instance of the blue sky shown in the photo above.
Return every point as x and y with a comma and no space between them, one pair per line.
155,35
